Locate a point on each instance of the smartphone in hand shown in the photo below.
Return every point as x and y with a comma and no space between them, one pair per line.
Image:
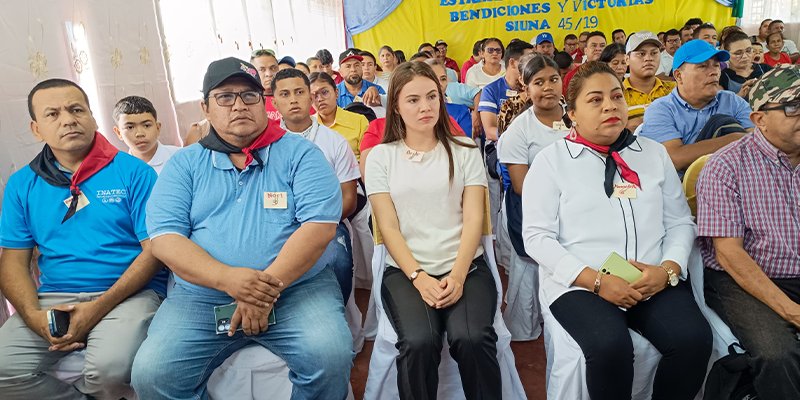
58,321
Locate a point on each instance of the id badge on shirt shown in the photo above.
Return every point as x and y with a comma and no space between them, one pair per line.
275,200
511,92
414,156
625,190
560,126
82,202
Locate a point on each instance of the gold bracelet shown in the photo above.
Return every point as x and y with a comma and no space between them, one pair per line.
597,283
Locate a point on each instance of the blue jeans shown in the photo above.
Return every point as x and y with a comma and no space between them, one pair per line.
311,335
338,256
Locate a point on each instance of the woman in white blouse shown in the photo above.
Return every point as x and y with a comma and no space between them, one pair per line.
603,190
427,190
532,130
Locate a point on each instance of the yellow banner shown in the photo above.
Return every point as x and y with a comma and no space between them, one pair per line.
463,22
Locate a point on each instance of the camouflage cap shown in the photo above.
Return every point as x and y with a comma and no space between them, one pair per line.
779,85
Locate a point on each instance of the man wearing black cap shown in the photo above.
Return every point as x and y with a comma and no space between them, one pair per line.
354,89
243,217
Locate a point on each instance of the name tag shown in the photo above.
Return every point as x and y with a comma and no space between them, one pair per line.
625,190
559,125
511,93
358,99
82,202
275,200
414,156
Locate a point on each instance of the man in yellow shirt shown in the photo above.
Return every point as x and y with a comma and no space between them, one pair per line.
642,87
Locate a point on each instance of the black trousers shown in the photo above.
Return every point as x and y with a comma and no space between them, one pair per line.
670,320
770,340
420,334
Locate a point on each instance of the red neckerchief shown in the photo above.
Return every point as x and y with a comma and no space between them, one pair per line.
266,138
100,155
624,140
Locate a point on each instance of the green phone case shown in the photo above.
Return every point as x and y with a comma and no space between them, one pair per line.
618,266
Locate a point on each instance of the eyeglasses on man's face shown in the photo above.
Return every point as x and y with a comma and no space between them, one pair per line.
791,109
227,99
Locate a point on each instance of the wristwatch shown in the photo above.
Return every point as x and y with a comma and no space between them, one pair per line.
672,279
415,274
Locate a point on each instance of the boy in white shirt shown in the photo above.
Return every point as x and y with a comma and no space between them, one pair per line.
136,124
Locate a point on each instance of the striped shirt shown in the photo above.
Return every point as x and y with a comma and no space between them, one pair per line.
750,190
638,100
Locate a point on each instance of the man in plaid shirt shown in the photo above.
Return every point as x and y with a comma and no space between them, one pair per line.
748,198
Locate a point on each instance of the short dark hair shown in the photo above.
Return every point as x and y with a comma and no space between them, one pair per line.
50,84
694,21
364,53
571,36
424,45
133,105
319,76
611,51
596,33
686,28
325,57
734,37
422,54
671,32
400,55
299,63
477,47
581,75
696,33
616,31
775,21
515,50
563,59
287,74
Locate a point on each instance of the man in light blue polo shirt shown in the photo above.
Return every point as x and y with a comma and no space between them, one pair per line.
676,120
81,203
243,216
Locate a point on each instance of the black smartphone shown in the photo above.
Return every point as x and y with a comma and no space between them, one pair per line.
59,322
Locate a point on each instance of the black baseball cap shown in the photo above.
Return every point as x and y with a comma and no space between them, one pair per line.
287,60
221,70
350,53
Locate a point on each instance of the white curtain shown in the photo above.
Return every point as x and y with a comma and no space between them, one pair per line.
112,48
158,49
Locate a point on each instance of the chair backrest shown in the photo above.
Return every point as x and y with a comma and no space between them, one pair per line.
690,180
487,221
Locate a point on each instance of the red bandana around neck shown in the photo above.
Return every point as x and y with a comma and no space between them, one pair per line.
624,140
266,138
100,155
270,135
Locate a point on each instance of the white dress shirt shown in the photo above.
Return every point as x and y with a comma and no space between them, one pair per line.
569,223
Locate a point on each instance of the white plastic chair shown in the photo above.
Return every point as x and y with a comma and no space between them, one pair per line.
250,373
566,366
382,379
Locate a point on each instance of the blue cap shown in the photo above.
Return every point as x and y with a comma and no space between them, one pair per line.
287,60
696,52
544,37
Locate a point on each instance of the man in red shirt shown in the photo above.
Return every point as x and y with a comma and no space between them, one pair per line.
477,56
441,45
